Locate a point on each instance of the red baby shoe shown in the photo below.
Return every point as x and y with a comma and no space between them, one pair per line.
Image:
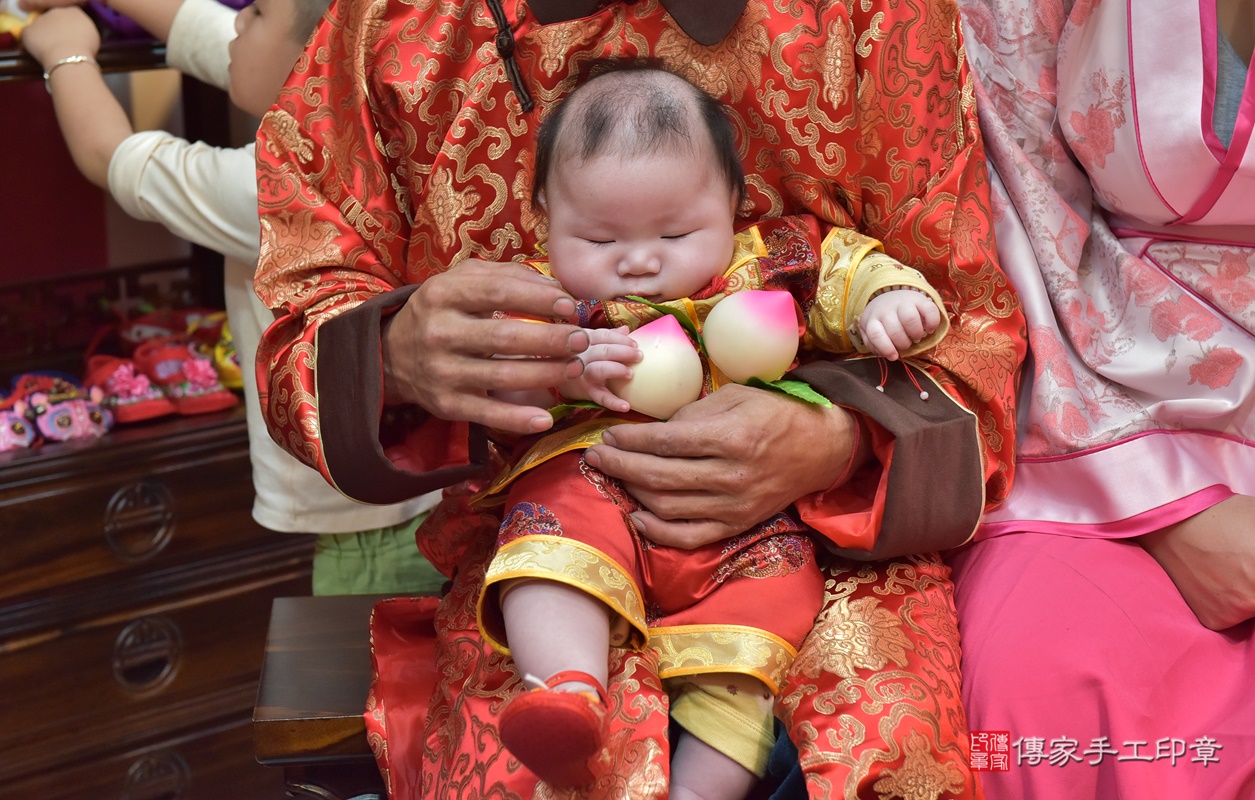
187,378
128,393
200,325
555,734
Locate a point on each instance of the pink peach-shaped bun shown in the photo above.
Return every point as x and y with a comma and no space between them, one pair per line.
669,374
753,334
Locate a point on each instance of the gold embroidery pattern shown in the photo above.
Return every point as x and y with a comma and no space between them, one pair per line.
855,635
921,777
445,205
613,491
872,34
300,242
782,553
842,250
897,684
288,136
807,143
832,60
576,564
699,649
304,446
551,45
730,69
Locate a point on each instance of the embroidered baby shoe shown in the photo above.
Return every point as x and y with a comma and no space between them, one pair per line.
128,393
187,377
60,408
17,432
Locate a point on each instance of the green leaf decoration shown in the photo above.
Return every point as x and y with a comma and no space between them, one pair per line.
560,411
681,317
799,389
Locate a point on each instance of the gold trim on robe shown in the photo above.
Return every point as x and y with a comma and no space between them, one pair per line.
563,560
853,269
681,649
580,436
703,649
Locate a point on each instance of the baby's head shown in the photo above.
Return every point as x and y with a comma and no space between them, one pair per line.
640,176
270,35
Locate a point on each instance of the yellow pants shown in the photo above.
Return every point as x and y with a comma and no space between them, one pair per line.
730,712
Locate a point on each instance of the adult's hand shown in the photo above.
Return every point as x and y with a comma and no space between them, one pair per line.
725,462
438,348
1211,559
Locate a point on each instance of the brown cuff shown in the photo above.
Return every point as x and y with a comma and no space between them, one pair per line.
936,485
349,374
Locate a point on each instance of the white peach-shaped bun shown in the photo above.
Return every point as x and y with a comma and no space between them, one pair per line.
669,374
753,334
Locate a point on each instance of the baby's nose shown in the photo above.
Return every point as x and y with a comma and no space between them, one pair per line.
639,261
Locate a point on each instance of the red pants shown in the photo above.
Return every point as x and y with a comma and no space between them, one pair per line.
759,591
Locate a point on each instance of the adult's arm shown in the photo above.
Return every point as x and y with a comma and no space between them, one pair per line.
205,194
1211,559
381,352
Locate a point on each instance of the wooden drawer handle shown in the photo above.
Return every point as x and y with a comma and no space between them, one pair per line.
146,654
160,775
139,520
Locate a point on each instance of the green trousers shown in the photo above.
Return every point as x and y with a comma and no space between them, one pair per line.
376,561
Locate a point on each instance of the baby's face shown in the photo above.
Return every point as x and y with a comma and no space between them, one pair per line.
659,225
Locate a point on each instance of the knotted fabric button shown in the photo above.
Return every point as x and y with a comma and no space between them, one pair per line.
505,43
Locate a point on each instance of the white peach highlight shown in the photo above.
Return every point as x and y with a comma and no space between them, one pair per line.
669,374
753,334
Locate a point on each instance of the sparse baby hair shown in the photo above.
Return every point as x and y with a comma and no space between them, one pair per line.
631,109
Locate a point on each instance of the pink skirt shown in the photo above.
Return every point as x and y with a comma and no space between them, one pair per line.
1083,652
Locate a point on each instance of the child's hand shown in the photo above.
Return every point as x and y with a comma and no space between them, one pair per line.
607,357
60,33
895,320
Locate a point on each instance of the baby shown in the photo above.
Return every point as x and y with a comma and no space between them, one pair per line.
640,178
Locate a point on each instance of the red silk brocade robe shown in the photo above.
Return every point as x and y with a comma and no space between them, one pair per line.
403,145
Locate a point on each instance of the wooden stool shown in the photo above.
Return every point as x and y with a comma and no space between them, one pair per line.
312,694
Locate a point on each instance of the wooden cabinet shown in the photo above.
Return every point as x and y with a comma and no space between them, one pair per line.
135,588
135,593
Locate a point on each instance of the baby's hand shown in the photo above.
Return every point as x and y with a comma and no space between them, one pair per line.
895,320
607,357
